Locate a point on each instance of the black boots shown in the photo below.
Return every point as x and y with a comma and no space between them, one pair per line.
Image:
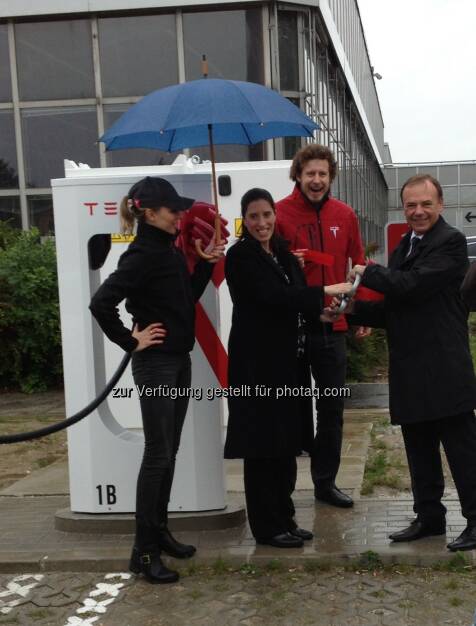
168,544
150,565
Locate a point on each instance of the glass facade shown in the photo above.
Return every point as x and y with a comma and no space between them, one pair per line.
73,78
231,40
51,135
5,79
54,60
8,157
153,41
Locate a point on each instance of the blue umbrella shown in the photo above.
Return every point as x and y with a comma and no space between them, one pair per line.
179,117
207,111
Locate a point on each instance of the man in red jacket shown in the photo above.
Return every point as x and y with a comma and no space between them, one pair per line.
311,219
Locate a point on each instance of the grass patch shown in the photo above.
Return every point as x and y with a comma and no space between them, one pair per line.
275,565
382,466
368,561
314,566
380,472
452,585
219,566
455,601
457,563
249,569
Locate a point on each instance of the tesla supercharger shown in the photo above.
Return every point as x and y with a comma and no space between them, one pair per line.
105,448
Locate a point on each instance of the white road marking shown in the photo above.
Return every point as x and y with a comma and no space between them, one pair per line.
108,590
16,588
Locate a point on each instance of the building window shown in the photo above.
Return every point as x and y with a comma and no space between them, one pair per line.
10,210
467,174
52,135
8,158
468,195
5,80
288,51
40,209
232,41
448,175
137,54
54,60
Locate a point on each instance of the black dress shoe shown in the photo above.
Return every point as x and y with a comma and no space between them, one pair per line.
334,496
168,544
303,534
466,541
284,540
151,567
419,529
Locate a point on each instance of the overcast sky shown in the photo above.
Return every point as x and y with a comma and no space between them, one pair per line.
425,51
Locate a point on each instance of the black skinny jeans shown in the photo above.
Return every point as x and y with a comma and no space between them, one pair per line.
162,419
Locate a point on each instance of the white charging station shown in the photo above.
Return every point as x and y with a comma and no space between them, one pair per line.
105,448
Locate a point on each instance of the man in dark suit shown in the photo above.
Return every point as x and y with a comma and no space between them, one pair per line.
431,378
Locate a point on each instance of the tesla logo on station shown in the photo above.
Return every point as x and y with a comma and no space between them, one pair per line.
108,208
334,230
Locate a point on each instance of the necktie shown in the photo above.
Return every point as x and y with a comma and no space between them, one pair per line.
413,245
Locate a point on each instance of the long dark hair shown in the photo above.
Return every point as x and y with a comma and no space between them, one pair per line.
277,243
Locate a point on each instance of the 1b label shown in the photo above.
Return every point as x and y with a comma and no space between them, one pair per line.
107,492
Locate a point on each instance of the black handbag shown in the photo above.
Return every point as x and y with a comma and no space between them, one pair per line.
468,287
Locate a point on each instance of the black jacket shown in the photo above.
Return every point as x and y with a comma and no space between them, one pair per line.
152,276
430,368
262,350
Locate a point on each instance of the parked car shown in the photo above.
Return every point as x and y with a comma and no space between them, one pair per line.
471,243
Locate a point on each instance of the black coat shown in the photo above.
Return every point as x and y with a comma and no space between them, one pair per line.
430,368
262,350
152,276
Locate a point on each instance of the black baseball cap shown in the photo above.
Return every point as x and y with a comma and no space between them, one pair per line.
153,192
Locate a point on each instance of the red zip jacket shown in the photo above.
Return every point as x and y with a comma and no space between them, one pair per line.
333,229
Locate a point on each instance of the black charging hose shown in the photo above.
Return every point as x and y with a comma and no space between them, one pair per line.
69,421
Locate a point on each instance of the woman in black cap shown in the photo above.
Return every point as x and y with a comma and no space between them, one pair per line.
160,295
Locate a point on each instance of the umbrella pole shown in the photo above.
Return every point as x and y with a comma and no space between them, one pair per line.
198,242
214,184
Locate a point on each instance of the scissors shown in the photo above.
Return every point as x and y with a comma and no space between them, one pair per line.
348,296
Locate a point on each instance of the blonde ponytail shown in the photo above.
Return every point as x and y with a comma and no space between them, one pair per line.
129,213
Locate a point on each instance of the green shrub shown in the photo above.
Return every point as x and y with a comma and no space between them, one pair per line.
367,356
30,340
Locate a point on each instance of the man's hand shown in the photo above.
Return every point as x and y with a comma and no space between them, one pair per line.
329,314
152,335
362,331
357,269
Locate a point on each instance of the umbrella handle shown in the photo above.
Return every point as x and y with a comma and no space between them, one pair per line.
198,242
200,252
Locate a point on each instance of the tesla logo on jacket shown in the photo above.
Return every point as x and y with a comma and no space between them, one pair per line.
333,229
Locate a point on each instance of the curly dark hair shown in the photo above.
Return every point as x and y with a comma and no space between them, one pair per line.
308,153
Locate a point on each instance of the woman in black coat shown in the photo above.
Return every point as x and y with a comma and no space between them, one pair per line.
152,276
270,421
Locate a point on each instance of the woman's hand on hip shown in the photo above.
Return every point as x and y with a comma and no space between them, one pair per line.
152,335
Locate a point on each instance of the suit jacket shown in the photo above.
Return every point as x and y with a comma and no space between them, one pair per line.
430,367
262,350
